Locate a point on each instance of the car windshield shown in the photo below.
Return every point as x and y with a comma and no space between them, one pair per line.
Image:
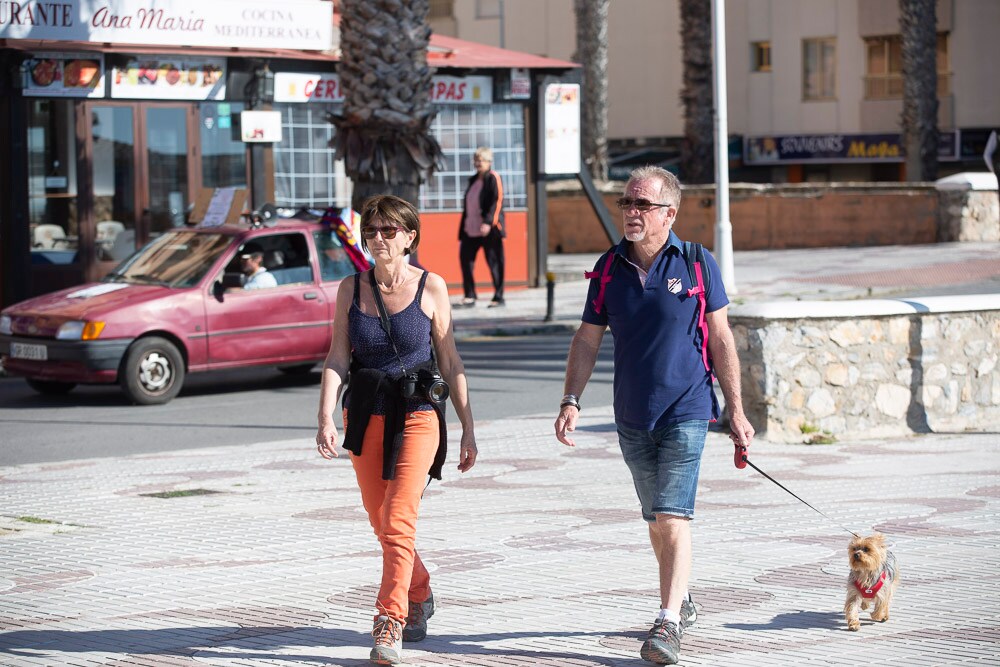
176,259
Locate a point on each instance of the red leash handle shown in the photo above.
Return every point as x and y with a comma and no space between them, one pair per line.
740,456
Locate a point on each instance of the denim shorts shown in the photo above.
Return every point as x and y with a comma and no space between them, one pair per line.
664,465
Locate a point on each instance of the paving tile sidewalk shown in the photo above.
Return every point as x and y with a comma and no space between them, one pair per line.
538,556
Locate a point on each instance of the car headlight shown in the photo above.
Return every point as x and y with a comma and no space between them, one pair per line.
79,330
5,325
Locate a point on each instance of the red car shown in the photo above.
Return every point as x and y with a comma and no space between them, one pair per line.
179,306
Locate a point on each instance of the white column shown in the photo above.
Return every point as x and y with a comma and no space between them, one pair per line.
723,245
342,185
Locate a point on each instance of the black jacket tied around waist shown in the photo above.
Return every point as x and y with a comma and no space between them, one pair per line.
365,386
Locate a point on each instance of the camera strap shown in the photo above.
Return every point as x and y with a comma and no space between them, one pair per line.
383,317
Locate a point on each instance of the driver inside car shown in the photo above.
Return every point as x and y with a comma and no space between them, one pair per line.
252,265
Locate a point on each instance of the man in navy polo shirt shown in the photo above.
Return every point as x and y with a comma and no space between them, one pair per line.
663,396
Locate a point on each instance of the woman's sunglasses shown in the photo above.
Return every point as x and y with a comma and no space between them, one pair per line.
640,204
387,232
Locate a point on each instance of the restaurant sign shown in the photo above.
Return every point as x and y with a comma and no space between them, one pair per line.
290,24
827,148
298,87
63,75
260,126
170,78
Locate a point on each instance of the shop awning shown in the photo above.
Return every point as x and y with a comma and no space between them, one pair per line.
444,52
453,52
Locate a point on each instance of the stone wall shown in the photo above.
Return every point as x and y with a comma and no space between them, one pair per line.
805,215
819,371
969,215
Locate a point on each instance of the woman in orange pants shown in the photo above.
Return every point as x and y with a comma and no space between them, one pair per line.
394,426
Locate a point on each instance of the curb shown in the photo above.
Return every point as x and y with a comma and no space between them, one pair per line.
503,330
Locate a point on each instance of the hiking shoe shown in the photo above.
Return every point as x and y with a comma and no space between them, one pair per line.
663,644
416,621
688,613
388,642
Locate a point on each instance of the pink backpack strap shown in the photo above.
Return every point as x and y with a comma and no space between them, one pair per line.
605,279
699,290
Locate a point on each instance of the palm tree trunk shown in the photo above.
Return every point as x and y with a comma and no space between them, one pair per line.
697,160
383,134
592,53
918,26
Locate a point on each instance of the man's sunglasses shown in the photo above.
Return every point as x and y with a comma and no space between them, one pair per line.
640,204
387,232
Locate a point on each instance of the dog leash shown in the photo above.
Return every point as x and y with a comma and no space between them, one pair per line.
741,461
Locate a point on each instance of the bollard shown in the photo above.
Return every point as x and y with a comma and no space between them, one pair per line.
550,296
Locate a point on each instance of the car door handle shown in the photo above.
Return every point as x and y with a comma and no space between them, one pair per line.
310,296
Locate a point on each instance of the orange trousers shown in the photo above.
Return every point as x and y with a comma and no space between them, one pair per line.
393,505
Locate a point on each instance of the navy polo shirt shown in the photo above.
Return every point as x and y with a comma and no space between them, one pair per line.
660,378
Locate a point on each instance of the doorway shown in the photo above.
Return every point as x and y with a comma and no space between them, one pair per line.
143,171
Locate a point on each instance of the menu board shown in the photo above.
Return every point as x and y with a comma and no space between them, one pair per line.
170,78
64,75
218,206
561,129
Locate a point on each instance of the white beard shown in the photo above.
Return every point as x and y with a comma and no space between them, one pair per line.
635,236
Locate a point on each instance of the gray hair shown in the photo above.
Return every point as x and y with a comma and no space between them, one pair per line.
669,184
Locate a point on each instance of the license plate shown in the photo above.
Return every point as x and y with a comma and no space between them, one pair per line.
27,351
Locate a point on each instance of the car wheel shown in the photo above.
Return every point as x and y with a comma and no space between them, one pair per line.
153,371
300,369
50,387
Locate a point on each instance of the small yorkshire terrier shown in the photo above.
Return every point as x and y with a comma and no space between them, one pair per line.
873,579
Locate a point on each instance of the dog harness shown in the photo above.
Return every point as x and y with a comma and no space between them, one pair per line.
872,591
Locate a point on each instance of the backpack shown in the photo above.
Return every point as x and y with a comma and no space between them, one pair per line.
694,257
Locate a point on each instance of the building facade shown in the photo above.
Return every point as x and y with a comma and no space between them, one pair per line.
117,123
814,86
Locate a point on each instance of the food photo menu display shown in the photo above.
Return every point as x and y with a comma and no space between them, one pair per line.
169,78
63,75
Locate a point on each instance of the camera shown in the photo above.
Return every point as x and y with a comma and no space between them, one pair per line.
424,382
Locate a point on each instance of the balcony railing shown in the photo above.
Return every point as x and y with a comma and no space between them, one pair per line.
890,86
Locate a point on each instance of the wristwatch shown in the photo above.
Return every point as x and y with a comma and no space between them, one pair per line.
570,399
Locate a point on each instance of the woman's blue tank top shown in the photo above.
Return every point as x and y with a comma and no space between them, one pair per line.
371,347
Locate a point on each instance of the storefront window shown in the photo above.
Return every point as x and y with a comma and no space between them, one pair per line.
305,172
460,131
114,180
223,153
52,197
167,149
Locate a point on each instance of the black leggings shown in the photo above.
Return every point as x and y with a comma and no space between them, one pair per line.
492,246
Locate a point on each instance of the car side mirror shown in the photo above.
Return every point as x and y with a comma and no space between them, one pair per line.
230,280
